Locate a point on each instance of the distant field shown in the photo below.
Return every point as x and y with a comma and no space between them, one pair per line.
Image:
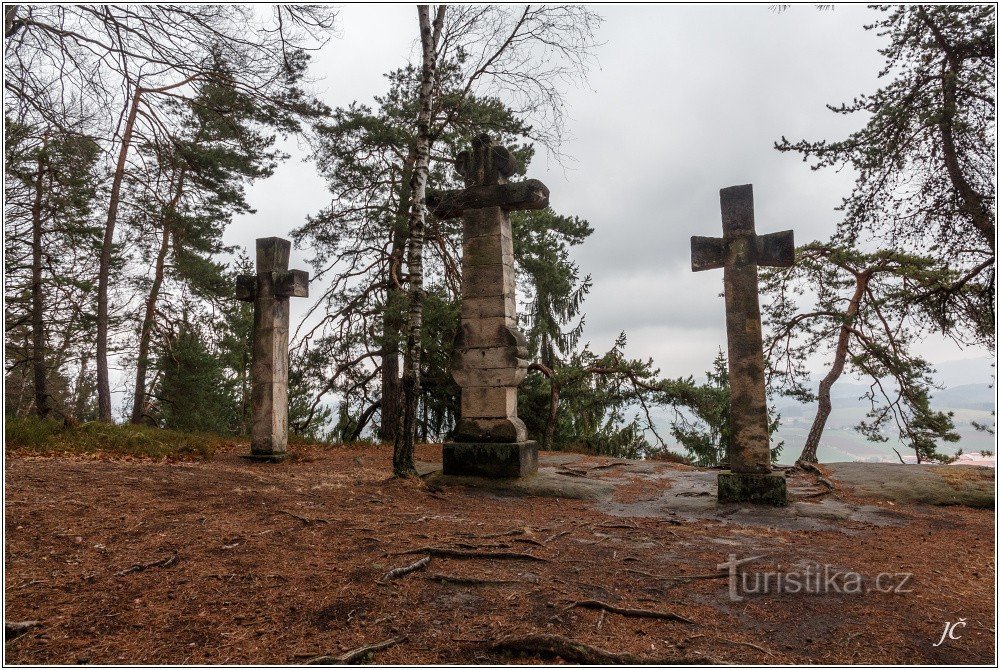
969,402
842,443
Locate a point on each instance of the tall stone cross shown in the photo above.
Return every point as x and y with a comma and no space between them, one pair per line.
269,291
739,251
491,354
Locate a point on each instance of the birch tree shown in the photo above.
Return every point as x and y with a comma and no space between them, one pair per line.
430,37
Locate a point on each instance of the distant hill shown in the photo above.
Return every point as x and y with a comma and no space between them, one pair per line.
968,393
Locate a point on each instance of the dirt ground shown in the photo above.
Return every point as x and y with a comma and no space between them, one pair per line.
226,561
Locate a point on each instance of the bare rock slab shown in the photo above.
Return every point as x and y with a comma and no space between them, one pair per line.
762,489
490,459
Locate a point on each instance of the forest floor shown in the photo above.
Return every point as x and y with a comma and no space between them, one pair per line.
138,561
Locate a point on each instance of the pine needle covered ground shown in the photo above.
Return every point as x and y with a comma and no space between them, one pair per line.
166,561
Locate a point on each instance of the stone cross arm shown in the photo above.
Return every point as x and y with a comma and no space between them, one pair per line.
527,194
272,260
287,284
773,249
739,242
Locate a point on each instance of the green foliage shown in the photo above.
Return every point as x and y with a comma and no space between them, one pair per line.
925,158
701,424
541,241
703,428
193,392
235,342
48,436
306,417
51,175
862,319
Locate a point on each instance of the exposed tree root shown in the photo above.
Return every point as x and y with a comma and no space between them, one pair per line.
625,611
355,655
470,581
813,468
13,629
556,536
716,575
459,553
578,652
139,567
307,521
405,570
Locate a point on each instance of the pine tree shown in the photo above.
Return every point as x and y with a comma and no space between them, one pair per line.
925,158
51,183
193,392
863,320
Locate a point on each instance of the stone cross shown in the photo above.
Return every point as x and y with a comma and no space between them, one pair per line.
739,251
269,291
490,358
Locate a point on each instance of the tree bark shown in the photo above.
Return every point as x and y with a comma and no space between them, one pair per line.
43,404
142,361
402,459
550,423
392,326
80,402
971,202
104,270
808,454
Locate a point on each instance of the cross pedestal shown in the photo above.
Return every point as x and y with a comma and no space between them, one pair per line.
269,291
491,354
739,251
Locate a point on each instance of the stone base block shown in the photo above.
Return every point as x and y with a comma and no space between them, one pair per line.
275,457
763,489
490,459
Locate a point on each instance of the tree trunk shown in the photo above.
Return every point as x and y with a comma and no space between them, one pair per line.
808,454
142,361
104,270
43,403
550,423
402,458
9,14
392,325
80,402
971,202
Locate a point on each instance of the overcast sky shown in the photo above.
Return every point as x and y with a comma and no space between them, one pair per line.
685,100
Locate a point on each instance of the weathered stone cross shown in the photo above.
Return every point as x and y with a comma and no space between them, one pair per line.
269,291
739,251
490,352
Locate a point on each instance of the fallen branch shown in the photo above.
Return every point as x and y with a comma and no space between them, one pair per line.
139,567
355,655
574,651
748,644
556,536
626,611
459,553
13,629
405,570
31,583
